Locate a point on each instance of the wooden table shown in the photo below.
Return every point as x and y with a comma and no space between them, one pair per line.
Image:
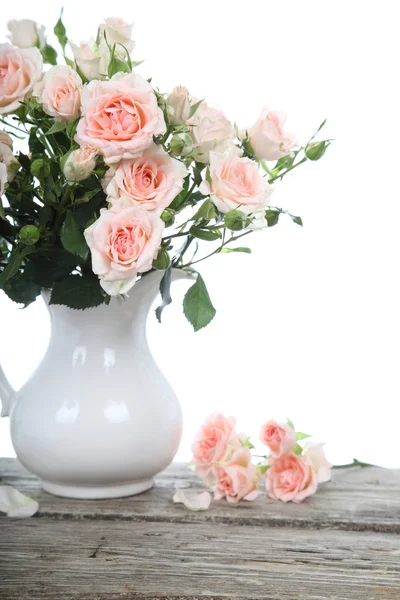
341,544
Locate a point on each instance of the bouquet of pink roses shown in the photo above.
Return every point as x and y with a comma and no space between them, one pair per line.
119,179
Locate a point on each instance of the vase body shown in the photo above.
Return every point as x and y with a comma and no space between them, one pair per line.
98,419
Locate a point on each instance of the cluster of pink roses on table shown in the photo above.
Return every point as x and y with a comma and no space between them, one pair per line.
291,471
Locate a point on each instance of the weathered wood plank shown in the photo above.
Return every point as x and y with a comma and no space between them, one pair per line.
356,499
53,560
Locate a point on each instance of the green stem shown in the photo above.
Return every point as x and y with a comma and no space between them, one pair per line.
13,126
280,175
232,239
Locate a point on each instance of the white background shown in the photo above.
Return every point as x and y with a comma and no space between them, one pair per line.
308,325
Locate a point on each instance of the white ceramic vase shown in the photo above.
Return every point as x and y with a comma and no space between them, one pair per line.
97,419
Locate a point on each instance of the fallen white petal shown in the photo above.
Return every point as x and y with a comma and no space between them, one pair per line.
15,504
193,500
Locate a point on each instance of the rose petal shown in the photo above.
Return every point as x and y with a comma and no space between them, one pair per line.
193,500
15,504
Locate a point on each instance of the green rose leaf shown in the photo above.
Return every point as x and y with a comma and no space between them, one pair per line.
302,436
209,235
58,126
72,237
79,292
235,220
61,32
197,305
272,217
165,291
49,55
297,449
206,211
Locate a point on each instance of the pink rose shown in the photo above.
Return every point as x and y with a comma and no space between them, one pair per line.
267,137
123,242
211,443
80,163
237,480
279,437
26,33
20,69
59,92
5,139
322,467
291,478
209,130
3,178
89,60
236,183
151,181
119,117
118,32
179,102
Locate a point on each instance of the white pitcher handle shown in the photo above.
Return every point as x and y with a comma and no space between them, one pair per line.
6,394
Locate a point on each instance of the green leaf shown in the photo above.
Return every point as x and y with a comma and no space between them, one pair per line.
21,289
284,162
72,237
297,449
240,249
263,468
206,211
61,32
321,126
301,436
272,217
77,292
49,55
2,213
197,305
289,422
297,220
209,235
56,127
193,109
235,220
162,260
40,168
165,291
14,262
247,444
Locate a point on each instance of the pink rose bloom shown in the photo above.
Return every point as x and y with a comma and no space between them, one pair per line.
279,437
291,478
20,69
80,163
151,181
267,137
238,480
211,443
322,467
236,183
5,139
210,130
59,92
123,242
179,102
119,117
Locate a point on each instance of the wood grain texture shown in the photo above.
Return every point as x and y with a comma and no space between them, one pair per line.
341,544
53,559
357,499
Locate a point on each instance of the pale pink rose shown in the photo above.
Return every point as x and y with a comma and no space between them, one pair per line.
322,467
179,102
59,92
20,69
238,480
3,178
119,117
211,443
151,181
267,137
26,33
123,242
279,437
291,478
5,139
80,163
87,57
8,159
209,130
119,32
236,183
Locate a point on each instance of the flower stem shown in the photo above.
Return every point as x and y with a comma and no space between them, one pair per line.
355,463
